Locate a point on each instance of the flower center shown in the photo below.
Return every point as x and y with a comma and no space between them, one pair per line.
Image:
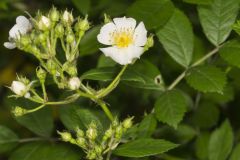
123,38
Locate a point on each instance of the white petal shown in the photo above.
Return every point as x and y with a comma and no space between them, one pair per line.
123,56
104,36
22,21
27,95
9,45
140,35
14,32
125,22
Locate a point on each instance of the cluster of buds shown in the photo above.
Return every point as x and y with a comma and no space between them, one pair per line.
94,145
40,37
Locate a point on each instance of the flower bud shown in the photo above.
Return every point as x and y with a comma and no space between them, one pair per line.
25,40
19,88
70,38
19,111
80,132
91,132
44,23
74,83
127,123
66,136
119,132
59,30
108,134
98,149
149,43
81,142
52,66
41,38
82,24
54,14
91,155
41,74
107,19
67,18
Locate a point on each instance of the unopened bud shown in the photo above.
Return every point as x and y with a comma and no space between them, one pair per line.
80,132
25,40
119,132
54,14
98,149
59,30
91,132
127,123
41,74
149,43
70,38
52,66
74,83
91,155
107,19
66,136
81,142
82,25
20,89
19,111
44,23
108,134
41,38
67,18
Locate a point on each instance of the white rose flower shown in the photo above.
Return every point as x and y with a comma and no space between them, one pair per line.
126,40
20,89
22,26
74,83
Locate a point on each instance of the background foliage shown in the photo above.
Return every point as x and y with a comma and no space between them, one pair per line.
201,114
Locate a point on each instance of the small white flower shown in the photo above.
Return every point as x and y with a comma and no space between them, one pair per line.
22,26
20,89
125,38
44,23
74,83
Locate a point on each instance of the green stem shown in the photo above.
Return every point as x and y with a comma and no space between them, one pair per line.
44,91
36,109
105,109
198,62
25,140
112,85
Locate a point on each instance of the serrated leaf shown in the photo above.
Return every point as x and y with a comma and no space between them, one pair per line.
217,19
109,73
8,139
230,52
221,142
236,153
147,126
39,122
144,147
201,146
206,115
40,151
153,13
151,75
177,38
206,79
170,107
204,2
89,43
74,116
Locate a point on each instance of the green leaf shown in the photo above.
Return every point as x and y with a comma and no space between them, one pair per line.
82,5
39,122
206,115
89,44
177,38
147,126
8,139
217,19
221,142
206,79
170,107
236,153
144,147
150,74
109,73
41,151
201,146
74,116
230,52
153,13
198,1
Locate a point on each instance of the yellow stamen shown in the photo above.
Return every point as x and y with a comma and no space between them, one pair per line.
123,38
